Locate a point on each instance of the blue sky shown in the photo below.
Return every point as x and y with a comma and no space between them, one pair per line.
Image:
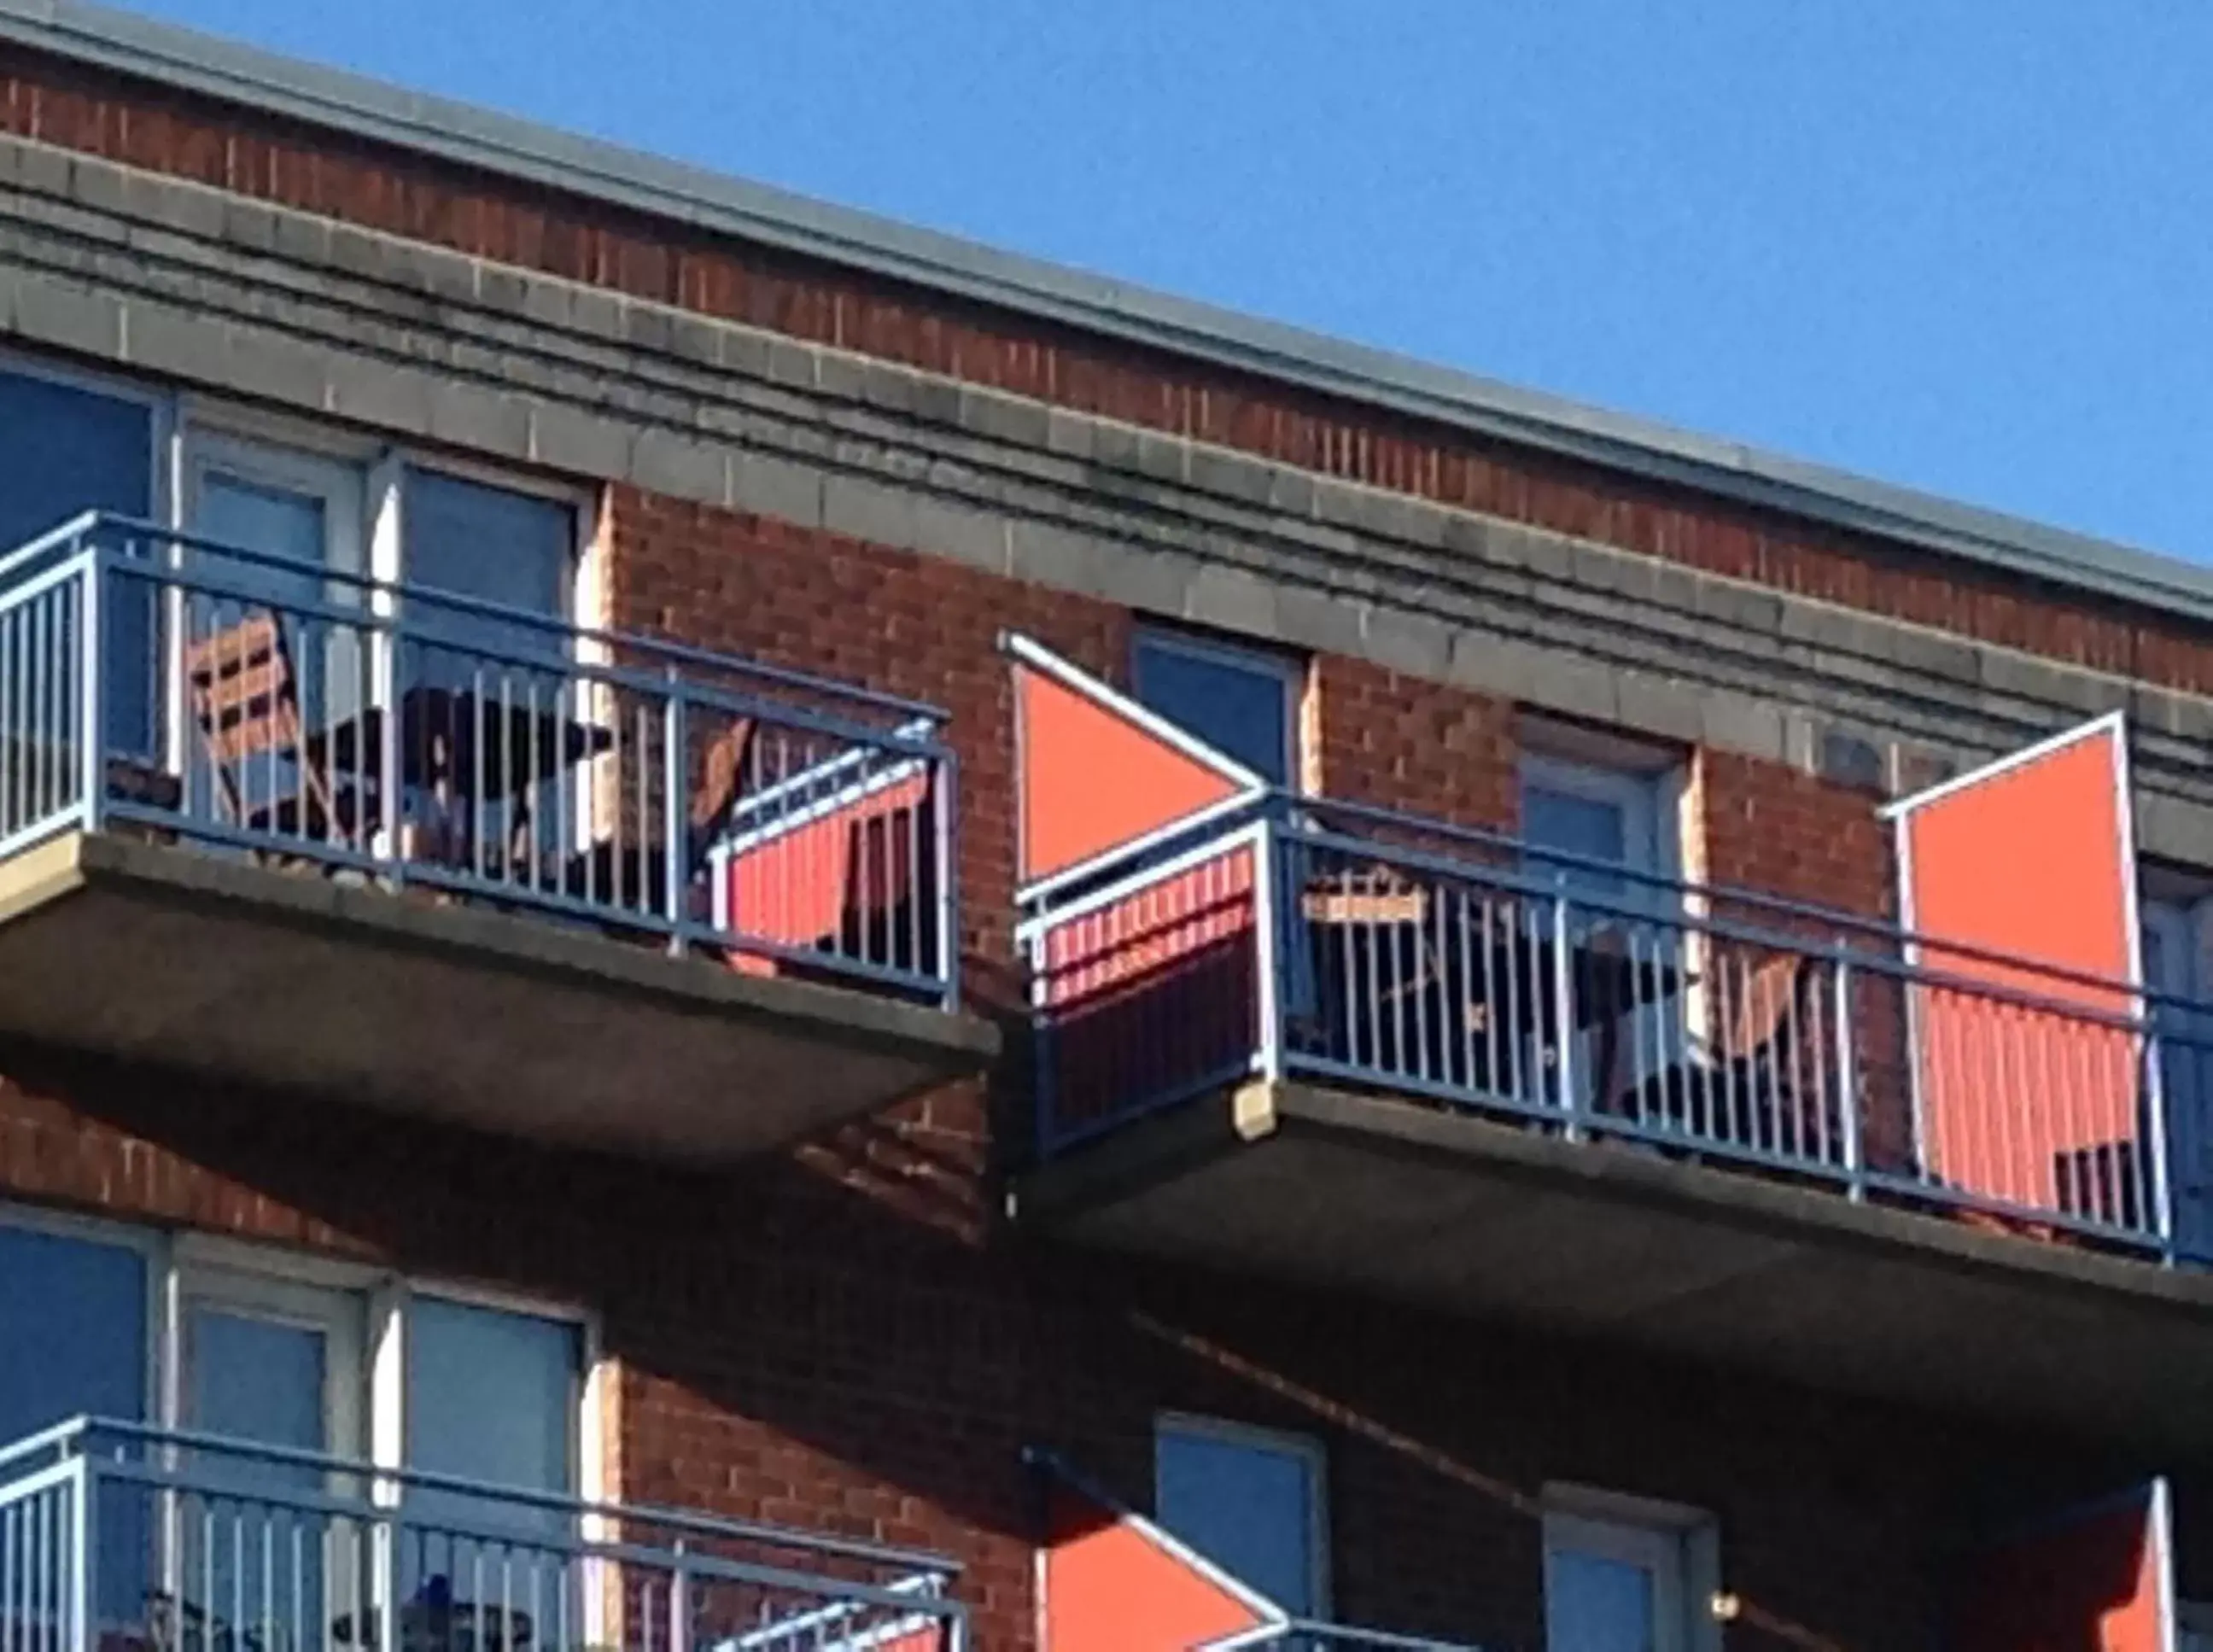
1964,246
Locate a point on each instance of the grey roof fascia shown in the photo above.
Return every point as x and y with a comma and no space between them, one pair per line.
503,144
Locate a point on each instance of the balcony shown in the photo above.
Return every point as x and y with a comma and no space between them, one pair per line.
1374,1053
116,1538
308,830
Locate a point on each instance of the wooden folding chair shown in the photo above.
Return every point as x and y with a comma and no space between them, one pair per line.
245,696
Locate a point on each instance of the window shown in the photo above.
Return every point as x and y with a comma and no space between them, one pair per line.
493,544
1241,702
1251,1502
65,449
84,1304
1601,814
1622,1574
2175,915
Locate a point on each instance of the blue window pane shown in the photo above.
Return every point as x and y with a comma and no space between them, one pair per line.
86,1304
1575,825
65,451
1242,711
493,544
1246,1506
1596,1604
492,1397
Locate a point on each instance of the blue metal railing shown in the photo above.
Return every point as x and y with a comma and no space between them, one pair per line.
115,1536
413,737
1299,937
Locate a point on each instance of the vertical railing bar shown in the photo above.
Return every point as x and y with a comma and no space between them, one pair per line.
675,817
1563,1014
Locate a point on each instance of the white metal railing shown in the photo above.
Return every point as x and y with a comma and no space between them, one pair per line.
116,1537
1300,936
310,716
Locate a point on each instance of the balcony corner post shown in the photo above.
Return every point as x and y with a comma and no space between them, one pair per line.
84,1584
948,876
674,815
1563,1013
1848,1083
1268,948
680,1599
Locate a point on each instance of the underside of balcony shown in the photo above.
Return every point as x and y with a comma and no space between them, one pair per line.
1385,1197
502,1022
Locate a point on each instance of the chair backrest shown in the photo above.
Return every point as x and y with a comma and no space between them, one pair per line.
723,775
245,698
1772,1005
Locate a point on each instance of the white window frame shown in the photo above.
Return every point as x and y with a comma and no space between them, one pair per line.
288,1282
1290,670
1305,1447
1678,1544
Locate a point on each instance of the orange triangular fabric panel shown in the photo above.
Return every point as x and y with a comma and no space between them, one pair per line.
1112,1584
1093,778
2096,1579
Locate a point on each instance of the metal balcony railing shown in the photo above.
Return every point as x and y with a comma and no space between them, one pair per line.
118,1538
310,716
1299,937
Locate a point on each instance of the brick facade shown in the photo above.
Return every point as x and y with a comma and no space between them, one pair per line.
848,1337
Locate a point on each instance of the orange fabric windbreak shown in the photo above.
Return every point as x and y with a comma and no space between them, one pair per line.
797,884
1111,1584
2030,1105
1092,778
2096,1584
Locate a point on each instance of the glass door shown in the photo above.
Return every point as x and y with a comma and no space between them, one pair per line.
259,1556
270,673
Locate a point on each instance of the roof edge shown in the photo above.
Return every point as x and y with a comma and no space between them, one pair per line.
467,135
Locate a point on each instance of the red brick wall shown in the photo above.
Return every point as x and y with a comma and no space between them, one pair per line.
385,189
1772,827
1378,736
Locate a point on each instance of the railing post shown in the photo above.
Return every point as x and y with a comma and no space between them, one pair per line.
2154,1087
1563,1012
680,1601
84,1585
956,1627
394,692
674,816
1267,944
1847,1086
93,729
942,824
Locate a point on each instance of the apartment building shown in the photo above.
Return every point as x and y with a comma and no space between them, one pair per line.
723,926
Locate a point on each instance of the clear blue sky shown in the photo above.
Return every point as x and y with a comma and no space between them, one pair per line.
1965,245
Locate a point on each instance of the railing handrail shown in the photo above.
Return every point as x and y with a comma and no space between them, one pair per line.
94,523
81,1436
1280,807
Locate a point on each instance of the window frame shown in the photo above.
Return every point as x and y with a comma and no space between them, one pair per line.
276,1276
1308,1448
1289,670
1679,1545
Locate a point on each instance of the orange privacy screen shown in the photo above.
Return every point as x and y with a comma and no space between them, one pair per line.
2026,1104
1112,1585
2095,1583
1093,778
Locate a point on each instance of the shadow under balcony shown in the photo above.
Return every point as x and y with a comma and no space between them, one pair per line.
1374,1054
455,859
